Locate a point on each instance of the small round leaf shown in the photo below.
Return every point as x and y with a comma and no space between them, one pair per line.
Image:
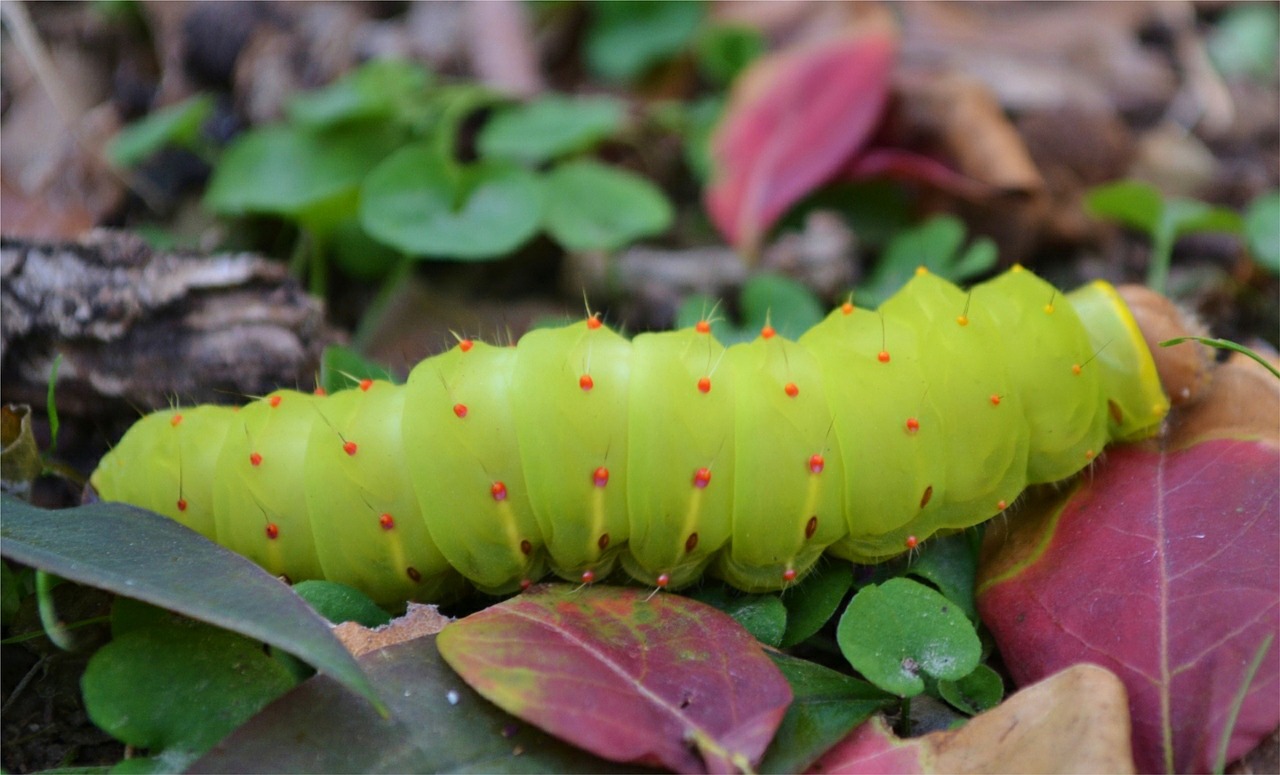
550,127
594,207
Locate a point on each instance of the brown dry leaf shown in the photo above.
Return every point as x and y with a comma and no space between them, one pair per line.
418,621
1074,721
1185,370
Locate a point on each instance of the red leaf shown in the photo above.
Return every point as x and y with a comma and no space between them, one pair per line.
793,121
1161,566
630,676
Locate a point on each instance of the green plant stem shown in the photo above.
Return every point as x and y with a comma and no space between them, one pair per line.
1161,255
1220,763
51,406
56,630
1224,344
904,720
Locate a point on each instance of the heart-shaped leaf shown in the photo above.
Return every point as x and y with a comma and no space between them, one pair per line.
591,206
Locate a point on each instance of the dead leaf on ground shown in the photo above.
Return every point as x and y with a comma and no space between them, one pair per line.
1075,721
417,621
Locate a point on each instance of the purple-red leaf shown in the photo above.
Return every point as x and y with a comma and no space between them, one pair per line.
630,676
794,120
1160,565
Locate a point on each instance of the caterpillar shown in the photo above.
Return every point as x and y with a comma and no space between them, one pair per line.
578,450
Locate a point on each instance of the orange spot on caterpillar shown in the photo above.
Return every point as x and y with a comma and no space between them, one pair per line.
586,382
962,320
274,401
1088,454
273,531
600,476
365,384
883,356
928,495
593,322
663,580
1048,309
1076,369
499,491
255,459
847,308
768,332
691,543
175,420
1001,505
913,425
349,447
791,389
603,541
704,385
588,576
922,271
525,584
465,345
701,478
413,574
995,399
816,464
789,575
911,542
526,548
321,392
182,504
811,526
703,327
386,521
460,410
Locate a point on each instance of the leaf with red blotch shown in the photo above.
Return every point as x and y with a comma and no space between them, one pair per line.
632,677
794,120
1160,565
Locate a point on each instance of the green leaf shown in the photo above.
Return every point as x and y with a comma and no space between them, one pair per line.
1244,41
827,706
357,254
375,90
935,244
179,686
978,691
1262,227
418,203
591,206
813,602
144,556
950,564
764,616
175,125
339,603
342,368
1136,205
895,632
550,127
725,51
625,39
287,171
786,304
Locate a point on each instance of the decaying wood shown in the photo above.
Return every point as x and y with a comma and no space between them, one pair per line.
146,329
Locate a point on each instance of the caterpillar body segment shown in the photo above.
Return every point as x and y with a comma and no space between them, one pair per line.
670,455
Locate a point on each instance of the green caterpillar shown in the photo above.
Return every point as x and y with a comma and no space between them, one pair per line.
669,454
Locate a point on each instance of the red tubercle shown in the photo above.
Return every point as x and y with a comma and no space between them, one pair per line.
320,392
387,522
702,327
273,531
768,332
600,476
525,584
465,345
962,320
460,410
883,356
1088,454
913,425
704,385
1076,369
911,543
499,491
593,322
847,308
182,504
702,478
662,581
365,384
255,459
1001,505
588,576
789,575
791,389
176,420
817,463
349,447
1048,308
586,382
996,399
273,401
